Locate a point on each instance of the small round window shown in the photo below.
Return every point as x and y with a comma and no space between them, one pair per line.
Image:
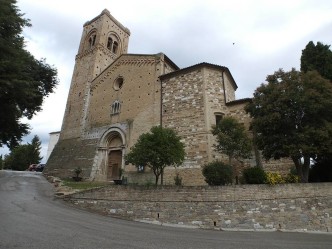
118,83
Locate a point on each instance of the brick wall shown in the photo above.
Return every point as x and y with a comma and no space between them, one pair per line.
288,206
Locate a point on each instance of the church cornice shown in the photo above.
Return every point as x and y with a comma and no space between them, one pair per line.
197,66
106,12
239,101
97,47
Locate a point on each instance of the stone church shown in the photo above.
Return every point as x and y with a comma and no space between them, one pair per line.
114,97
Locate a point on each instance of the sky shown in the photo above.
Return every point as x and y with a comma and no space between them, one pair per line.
253,38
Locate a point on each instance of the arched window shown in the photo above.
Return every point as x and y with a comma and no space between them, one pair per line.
92,40
113,43
109,43
218,116
116,107
115,47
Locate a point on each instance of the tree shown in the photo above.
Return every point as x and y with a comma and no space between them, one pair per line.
317,57
292,117
159,148
24,81
1,162
23,155
35,149
232,139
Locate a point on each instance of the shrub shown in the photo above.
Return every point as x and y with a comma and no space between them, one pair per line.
273,178
292,178
217,173
255,175
178,180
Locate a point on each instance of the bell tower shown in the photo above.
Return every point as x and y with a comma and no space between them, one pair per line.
103,40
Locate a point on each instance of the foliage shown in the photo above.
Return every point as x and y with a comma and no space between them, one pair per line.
232,139
217,173
292,178
292,117
317,57
24,80
1,162
23,155
78,171
159,148
254,175
178,180
274,178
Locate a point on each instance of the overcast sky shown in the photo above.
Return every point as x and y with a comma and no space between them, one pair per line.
253,38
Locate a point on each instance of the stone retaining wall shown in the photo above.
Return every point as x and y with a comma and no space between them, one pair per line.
300,207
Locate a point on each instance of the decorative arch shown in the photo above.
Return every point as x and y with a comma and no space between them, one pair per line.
111,151
110,134
91,39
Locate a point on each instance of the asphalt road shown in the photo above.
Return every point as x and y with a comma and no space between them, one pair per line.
31,218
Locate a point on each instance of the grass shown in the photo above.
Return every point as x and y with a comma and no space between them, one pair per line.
83,185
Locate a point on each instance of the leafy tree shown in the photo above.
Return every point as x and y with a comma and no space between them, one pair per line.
35,149
292,117
317,57
159,148
232,139
217,173
24,155
24,81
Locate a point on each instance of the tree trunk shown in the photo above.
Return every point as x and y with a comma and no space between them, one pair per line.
305,169
162,176
298,166
258,157
156,173
230,160
302,169
157,178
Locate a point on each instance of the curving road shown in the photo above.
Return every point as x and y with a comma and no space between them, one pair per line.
31,218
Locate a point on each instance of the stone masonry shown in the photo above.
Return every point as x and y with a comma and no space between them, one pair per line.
292,207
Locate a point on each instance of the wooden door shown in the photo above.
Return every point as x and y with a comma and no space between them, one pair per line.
114,164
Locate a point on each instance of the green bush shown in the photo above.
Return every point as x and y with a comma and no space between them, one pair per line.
217,173
292,178
255,175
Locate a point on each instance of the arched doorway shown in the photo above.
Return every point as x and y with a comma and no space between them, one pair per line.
109,158
115,151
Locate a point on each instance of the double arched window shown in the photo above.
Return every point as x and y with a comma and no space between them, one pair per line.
116,107
113,44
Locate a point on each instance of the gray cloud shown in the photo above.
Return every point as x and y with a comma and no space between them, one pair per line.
267,35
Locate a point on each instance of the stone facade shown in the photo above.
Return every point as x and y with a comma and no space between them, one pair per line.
295,207
115,97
